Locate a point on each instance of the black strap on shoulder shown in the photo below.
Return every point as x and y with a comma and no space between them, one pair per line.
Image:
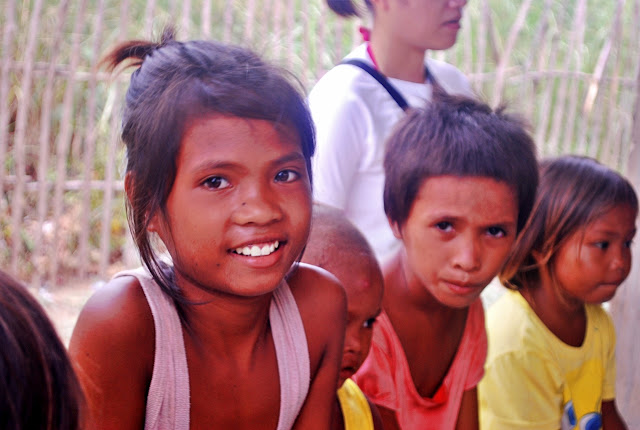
382,79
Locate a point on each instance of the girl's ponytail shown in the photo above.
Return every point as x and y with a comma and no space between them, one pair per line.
345,8
135,51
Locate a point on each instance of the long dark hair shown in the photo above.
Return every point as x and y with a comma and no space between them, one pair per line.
38,386
573,192
177,82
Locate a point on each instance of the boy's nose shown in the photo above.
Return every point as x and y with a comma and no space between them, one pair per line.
467,255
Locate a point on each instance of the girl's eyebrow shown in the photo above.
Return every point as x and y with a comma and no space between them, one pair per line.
215,164
612,233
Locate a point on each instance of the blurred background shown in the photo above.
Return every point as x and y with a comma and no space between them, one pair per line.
571,67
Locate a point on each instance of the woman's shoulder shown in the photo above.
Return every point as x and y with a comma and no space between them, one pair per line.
450,77
344,81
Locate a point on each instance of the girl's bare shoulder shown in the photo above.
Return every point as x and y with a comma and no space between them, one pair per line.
316,287
322,303
116,315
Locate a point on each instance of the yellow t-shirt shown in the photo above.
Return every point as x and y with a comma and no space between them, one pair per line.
355,408
535,381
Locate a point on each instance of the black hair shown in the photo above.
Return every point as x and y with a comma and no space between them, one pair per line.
573,192
175,83
458,136
38,386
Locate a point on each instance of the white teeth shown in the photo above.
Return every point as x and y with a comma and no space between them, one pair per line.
256,251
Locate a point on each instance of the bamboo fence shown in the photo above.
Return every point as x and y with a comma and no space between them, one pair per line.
571,67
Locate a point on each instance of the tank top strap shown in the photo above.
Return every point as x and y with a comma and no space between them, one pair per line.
168,397
292,353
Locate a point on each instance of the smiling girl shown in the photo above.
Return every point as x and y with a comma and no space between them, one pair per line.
354,114
551,360
230,332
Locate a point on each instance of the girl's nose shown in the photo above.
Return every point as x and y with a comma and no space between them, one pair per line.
257,207
621,261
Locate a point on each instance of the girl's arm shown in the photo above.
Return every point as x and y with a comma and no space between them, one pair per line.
468,415
112,350
322,304
611,419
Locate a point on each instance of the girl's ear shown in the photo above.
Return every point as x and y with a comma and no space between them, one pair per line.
129,187
395,228
541,258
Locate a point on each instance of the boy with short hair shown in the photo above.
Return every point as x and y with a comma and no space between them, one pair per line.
460,183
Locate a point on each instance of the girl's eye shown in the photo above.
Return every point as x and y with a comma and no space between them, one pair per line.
369,323
444,226
496,231
628,243
602,245
286,176
216,183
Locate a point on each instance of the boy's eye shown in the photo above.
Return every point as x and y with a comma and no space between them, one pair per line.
445,226
496,231
369,323
286,176
216,183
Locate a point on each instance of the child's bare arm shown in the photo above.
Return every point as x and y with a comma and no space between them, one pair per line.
611,419
322,303
111,354
468,415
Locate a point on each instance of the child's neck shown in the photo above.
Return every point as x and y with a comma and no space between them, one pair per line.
566,319
230,325
397,61
419,320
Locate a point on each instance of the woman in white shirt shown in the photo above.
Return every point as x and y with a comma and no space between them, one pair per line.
354,113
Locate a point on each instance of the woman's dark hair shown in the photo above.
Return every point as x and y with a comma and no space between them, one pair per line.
346,8
38,386
175,83
458,136
574,191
